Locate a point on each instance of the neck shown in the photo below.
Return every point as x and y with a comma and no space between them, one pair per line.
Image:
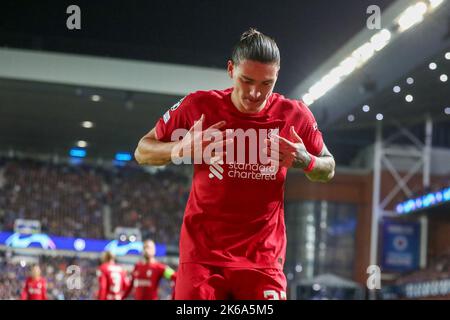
236,103
150,259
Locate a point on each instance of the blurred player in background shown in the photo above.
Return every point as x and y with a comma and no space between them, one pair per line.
35,286
112,279
148,273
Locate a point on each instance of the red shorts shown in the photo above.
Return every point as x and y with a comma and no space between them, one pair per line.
205,282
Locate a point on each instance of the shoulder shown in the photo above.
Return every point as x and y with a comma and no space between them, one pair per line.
207,95
101,269
297,109
287,103
195,103
160,265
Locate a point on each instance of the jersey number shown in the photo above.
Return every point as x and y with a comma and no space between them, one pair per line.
273,295
116,279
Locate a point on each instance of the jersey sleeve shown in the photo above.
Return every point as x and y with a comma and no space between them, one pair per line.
126,284
130,284
24,295
102,285
179,116
309,130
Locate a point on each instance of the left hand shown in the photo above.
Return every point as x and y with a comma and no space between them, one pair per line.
290,153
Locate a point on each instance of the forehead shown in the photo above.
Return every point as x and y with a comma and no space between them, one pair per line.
257,70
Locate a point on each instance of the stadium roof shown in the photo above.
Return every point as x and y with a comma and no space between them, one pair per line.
42,115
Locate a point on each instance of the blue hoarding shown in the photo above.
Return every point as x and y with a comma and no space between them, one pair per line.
401,246
49,242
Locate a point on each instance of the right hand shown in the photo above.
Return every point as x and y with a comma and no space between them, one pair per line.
197,141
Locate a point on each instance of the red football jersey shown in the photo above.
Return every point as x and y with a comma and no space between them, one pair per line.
235,212
112,282
146,278
34,289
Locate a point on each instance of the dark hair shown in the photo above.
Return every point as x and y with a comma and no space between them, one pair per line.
256,46
107,256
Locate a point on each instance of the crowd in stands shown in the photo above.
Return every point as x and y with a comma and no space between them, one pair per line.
71,200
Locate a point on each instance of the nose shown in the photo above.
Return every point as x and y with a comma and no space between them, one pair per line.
254,93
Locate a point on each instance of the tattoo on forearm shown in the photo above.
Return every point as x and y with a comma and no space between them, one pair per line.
302,159
324,169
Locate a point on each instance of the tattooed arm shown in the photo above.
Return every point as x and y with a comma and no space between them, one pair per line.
293,153
324,164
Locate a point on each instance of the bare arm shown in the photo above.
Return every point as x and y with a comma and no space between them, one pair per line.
157,153
152,151
324,166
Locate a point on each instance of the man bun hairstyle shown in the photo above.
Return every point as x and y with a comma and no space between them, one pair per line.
256,46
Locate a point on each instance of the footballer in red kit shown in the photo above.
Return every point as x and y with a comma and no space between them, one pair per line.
35,286
233,237
147,275
112,279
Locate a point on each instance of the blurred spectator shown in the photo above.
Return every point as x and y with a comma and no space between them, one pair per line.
70,200
54,269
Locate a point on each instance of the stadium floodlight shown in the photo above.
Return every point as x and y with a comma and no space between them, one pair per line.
316,287
435,3
96,98
329,81
412,16
317,90
82,144
397,89
366,108
447,55
409,98
381,39
443,77
432,66
410,80
351,118
348,66
87,124
77,153
307,98
447,111
379,116
364,53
